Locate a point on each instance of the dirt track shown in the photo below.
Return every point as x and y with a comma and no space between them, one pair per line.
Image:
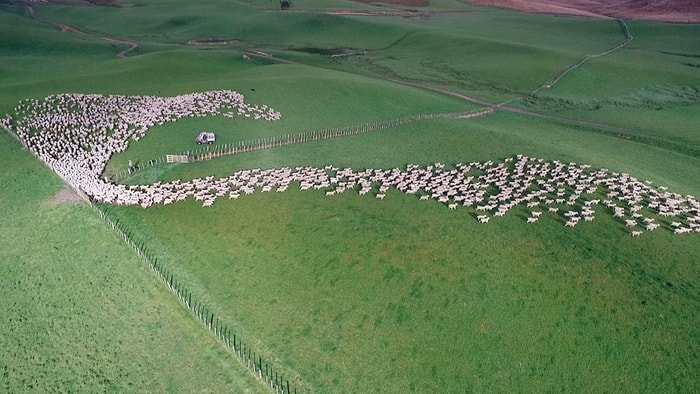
411,3
678,11
503,107
63,28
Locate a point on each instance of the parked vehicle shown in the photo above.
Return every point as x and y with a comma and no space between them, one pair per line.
205,138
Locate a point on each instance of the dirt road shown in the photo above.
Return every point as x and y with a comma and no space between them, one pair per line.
503,107
65,28
676,11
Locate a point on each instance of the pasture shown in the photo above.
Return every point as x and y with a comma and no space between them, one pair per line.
81,312
350,293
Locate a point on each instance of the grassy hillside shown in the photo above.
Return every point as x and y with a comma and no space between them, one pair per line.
351,293
363,295
649,87
82,313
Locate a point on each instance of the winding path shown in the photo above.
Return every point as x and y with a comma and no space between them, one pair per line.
491,106
64,28
561,74
503,107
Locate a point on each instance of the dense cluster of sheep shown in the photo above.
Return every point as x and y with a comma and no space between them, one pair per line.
76,135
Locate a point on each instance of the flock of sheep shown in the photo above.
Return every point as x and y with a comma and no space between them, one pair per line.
76,134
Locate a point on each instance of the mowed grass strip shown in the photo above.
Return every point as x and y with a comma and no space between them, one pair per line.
81,312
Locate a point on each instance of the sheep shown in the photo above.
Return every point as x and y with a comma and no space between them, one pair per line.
75,135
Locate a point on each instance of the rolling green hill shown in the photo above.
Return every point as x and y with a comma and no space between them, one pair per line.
350,293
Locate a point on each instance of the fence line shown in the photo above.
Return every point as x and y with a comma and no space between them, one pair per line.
208,152
262,369
317,135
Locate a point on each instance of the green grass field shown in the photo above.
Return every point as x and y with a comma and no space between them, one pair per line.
349,293
81,312
425,298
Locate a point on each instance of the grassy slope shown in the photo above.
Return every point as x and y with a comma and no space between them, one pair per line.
495,55
81,312
649,88
400,294
487,52
346,100
363,296
602,304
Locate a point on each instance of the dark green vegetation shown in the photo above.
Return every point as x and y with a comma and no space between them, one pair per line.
350,293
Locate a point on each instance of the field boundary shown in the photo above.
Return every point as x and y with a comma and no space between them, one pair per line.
503,107
63,28
208,152
177,159
628,38
255,363
318,135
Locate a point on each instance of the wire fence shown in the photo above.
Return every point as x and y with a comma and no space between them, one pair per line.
208,152
268,373
265,371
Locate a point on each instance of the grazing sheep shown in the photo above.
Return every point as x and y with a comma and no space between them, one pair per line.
76,134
